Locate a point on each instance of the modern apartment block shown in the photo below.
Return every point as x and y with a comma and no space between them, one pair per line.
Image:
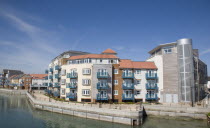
103,77
182,75
54,70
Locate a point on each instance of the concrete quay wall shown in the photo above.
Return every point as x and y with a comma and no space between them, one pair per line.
103,114
187,112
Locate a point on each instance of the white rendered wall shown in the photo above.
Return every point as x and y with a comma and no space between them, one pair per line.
158,60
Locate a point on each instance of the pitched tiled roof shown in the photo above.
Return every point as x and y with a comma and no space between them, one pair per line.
92,56
39,76
109,51
138,65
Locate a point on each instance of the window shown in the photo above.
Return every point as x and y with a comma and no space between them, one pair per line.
86,82
115,71
85,92
138,82
62,91
101,61
138,92
63,81
86,71
63,72
137,71
167,50
115,82
115,92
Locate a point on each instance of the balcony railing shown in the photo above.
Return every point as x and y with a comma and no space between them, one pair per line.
46,71
152,96
71,95
102,75
71,85
127,97
20,84
56,93
50,84
57,67
151,86
72,75
102,96
128,75
56,85
48,91
151,76
102,86
51,69
51,77
57,76
128,86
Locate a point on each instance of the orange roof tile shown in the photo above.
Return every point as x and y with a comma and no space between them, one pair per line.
39,76
137,65
109,51
92,56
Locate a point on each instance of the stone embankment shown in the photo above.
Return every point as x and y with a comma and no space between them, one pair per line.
86,111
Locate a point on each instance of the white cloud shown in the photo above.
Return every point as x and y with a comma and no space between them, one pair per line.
205,52
31,52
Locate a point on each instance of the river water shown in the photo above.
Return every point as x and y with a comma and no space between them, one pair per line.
16,112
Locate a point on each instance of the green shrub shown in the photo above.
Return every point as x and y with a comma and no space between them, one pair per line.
208,114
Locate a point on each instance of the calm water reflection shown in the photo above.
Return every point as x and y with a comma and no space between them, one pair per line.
16,112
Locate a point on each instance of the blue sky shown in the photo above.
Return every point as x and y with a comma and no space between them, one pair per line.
34,32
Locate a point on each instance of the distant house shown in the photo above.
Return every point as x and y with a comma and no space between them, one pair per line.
39,81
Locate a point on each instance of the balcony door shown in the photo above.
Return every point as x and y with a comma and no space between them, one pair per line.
103,93
128,93
127,72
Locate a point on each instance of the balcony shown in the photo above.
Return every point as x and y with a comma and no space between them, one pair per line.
46,77
71,85
56,85
46,71
20,84
57,67
50,77
48,91
71,95
45,84
151,86
72,75
50,84
56,93
151,76
128,86
102,86
127,97
57,76
102,75
102,96
128,75
151,96
51,69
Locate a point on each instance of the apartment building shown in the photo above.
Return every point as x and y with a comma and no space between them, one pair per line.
104,77
182,75
39,81
135,81
54,70
16,81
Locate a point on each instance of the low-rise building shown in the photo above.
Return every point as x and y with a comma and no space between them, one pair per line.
39,81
